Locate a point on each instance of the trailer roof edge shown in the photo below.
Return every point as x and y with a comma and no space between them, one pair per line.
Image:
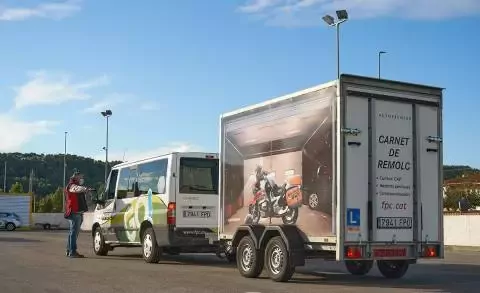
279,98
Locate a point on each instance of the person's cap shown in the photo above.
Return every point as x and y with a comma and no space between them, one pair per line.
76,172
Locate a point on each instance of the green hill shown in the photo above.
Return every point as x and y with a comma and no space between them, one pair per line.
48,171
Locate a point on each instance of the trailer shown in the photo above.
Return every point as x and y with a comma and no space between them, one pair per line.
349,171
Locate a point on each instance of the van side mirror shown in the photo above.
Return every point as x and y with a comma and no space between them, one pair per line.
98,198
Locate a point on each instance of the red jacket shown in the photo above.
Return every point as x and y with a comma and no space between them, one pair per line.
75,201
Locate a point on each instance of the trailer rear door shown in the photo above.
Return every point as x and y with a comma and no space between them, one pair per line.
390,161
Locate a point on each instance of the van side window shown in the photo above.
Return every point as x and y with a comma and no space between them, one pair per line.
112,184
153,175
122,188
132,183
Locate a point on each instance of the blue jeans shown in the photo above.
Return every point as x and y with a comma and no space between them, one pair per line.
75,220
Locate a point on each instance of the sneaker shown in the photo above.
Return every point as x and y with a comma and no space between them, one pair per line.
76,255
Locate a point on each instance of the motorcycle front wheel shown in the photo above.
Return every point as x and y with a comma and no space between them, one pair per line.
291,216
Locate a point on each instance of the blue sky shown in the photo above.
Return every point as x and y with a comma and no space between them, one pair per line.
180,64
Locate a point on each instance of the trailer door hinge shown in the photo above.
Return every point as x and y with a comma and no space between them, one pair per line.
352,131
434,139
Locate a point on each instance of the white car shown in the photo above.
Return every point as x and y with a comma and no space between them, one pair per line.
9,221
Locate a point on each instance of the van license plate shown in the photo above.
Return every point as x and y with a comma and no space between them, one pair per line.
394,222
196,214
389,252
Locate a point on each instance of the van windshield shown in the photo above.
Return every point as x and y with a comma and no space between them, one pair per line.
198,176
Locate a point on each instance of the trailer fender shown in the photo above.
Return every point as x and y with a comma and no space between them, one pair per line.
255,231
292,238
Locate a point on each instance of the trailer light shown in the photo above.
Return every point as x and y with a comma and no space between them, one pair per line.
353,252
430,251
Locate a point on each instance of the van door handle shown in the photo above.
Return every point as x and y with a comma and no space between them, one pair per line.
357,143
429,150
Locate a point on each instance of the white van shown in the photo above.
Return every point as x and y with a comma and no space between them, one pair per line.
163,204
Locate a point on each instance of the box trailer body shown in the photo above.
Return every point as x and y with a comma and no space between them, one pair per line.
366,155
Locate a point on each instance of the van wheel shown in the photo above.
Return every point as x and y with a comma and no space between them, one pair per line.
249,260
392,269
99,245
277,260
358,268
150,249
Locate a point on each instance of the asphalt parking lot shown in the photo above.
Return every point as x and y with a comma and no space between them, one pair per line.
35,262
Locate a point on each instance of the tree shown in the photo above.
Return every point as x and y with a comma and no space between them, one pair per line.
57,200
454,194
16,188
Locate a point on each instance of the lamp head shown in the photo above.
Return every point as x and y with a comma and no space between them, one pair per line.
106,113
328,19
342,14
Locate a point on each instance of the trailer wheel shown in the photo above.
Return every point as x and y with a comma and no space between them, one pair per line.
249,260
392,269
358,267
150,250
277,260
46,227
99,245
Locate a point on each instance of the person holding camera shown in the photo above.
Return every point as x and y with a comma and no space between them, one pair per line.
75,206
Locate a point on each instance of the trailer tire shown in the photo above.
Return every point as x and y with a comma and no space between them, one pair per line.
277,260
358,267
150,250
392,269
249,260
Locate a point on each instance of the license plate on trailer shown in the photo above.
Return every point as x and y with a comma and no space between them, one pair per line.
384,252
394,222
197,214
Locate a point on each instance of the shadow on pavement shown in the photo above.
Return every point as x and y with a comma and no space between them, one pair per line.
183,259
452,278
18,240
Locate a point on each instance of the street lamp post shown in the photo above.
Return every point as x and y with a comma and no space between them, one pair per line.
342,16
106,114
379,61
64,170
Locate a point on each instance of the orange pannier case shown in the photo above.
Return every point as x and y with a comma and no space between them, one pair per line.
294,180
294,197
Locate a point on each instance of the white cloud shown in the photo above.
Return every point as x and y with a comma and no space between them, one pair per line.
16,133
149,106
47,88
52,10
108,103
132,155
310,12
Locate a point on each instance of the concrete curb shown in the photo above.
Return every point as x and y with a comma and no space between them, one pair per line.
458,248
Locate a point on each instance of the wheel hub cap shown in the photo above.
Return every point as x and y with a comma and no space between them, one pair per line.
147,245
97,241
276,260
313,199
247,258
